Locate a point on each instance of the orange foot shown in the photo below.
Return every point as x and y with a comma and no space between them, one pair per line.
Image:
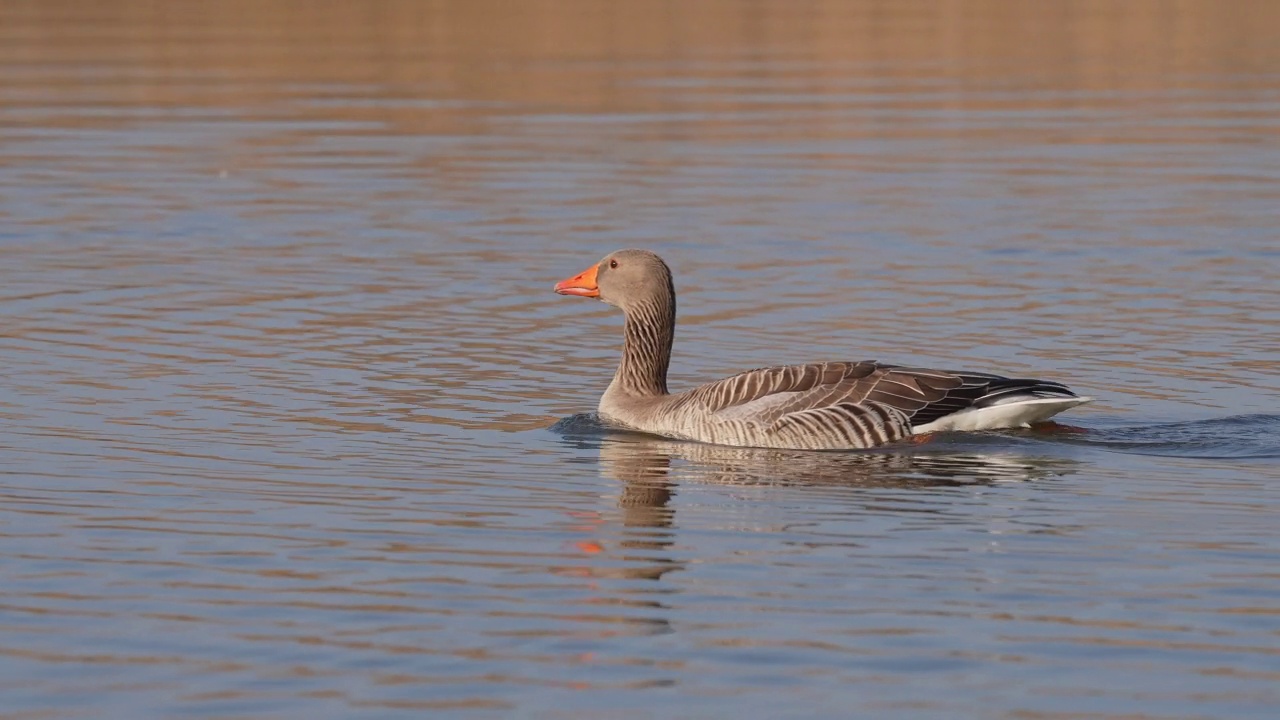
1052,426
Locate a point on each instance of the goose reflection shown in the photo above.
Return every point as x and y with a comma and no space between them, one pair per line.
641,536
641,463
639,542
650,470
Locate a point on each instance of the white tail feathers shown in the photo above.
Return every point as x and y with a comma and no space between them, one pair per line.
1013,412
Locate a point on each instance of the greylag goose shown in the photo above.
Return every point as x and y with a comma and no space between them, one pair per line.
818,406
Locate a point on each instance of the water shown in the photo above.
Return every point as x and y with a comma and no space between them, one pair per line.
292,425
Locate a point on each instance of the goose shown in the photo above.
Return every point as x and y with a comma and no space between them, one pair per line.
815,406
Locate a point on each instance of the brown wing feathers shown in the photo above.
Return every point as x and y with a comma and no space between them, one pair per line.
920,395
856,404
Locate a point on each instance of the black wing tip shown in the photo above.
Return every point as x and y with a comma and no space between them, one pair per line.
1005,389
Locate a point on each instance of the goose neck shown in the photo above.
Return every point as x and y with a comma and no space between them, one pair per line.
646,347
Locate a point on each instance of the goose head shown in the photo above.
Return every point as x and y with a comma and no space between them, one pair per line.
624,279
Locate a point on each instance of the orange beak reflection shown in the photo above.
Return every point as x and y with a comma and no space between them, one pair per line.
583,284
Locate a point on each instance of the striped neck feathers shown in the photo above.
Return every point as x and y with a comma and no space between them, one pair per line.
646,345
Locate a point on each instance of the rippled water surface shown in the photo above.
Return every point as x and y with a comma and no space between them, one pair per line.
291,424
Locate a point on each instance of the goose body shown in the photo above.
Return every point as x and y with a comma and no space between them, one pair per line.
817,406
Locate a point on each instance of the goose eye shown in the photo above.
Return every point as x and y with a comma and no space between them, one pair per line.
613,264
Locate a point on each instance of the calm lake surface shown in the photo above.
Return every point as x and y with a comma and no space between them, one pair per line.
292,425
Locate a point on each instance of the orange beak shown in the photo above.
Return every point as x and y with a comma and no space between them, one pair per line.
583,284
